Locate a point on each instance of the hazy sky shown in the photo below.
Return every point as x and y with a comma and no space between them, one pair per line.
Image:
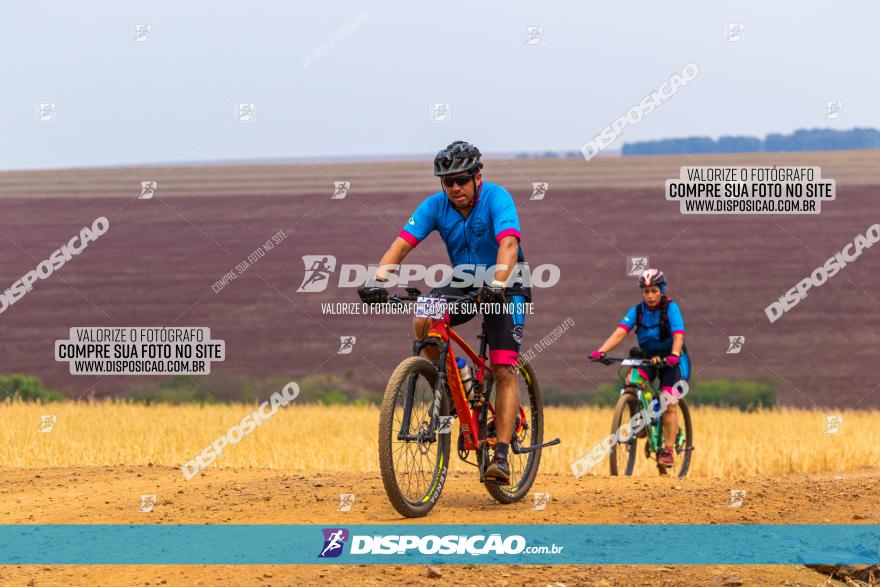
173,96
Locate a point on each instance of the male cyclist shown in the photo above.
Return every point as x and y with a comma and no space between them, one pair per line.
660,330
480,227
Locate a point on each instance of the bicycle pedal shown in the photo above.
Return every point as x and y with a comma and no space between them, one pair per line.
496,480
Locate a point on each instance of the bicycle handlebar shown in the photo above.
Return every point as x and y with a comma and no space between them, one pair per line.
632,361
413,294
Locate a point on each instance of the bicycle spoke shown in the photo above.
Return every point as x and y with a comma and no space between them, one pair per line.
408,475
405,451
516,468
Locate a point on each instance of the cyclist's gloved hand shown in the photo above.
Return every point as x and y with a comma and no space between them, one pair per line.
655,360
373,295
672,360
597,356
491,294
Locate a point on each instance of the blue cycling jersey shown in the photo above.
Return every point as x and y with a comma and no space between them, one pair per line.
473,240
648,332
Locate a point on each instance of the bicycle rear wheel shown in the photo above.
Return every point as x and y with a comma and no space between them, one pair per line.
528,431
623,455
413,468
684,444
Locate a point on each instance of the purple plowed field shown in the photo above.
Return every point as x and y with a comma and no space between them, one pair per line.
160,258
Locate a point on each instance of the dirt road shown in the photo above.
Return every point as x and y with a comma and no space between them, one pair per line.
229,496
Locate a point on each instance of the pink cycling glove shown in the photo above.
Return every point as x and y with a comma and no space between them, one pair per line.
672,360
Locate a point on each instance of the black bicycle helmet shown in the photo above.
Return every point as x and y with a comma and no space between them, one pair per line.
651,277
458,157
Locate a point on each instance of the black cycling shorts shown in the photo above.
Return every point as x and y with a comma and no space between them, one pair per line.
504,329
669,376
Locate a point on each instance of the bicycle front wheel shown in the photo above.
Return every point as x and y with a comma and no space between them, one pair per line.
623,455
413,462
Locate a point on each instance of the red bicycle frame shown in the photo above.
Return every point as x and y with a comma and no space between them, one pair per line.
468,418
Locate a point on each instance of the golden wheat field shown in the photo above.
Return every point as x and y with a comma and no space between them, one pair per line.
343,438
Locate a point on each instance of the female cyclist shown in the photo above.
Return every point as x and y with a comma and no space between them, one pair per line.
660,331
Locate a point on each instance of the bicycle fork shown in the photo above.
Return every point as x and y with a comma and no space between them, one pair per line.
429,434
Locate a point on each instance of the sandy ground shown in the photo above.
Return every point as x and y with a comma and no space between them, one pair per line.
229,496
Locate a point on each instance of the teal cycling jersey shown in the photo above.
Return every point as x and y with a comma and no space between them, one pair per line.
473,240
648,331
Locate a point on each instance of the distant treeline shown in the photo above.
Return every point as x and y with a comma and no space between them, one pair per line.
334,389
818,139
216,388
549,155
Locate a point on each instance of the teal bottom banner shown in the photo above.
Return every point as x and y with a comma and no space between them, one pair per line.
651,544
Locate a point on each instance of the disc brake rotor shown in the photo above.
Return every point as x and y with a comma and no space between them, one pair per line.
423,444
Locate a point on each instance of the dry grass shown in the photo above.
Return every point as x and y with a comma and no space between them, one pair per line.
310,437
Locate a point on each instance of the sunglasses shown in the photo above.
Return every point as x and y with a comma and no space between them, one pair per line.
460,181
